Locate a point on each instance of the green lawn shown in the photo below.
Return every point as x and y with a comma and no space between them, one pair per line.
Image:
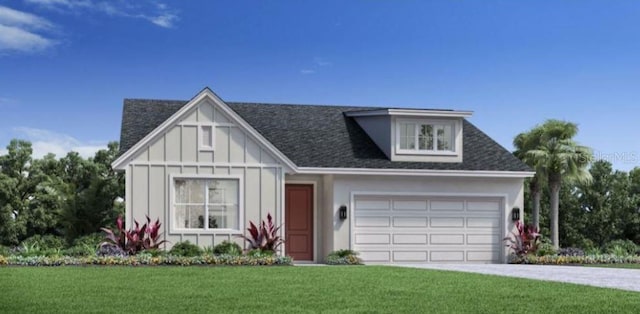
292,289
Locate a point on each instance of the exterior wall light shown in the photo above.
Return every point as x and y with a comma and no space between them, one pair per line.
343,212
515,214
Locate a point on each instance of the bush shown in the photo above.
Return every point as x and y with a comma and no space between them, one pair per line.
108,249
93,239
81,250
227,247
545,249
264,236
260,253
620,247
571,251
186,249
524,241
564,260
147,259
45,242
136,239
5,251
343,257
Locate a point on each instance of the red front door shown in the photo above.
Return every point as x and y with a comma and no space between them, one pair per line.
299,221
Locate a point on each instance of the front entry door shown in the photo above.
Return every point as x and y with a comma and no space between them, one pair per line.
299,221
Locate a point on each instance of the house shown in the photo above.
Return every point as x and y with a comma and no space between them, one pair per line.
397,185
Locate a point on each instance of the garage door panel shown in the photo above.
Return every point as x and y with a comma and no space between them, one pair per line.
376,256
372,238
410,238
373,221
410,222
373,205
447,222
410,256
482,222
442,205
486,206
447,256
447,239
410,205
482,256
480,239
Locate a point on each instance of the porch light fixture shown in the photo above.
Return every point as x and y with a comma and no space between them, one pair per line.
515,214
343,212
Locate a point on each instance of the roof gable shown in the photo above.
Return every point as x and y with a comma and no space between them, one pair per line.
142,122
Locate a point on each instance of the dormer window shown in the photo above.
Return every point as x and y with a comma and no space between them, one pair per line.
426,137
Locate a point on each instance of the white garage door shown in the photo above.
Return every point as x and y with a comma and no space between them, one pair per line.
408,229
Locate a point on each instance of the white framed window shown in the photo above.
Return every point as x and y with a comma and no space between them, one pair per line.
426,137
206,139
206,204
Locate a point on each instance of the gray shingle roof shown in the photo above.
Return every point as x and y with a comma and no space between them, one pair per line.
319,136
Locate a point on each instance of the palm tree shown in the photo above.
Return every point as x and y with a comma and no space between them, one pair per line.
524,143
560,158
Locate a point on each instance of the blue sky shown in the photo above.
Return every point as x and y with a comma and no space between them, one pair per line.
66,65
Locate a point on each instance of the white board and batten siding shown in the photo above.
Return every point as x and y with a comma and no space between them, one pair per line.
421,229
179,151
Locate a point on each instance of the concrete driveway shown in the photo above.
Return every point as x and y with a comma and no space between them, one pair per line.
625,279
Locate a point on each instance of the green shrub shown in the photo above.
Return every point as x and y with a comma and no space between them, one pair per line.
343,257
146,259
564,260
45,242
545,249
5,251
227,247
93,239
155,252
620,247
260,253
85,245
186,249
81,250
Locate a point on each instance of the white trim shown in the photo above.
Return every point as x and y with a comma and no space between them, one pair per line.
282,211
504,198
417,172
241,209
418,123
206,93
203,164
315,215
212,144
412,112
217,124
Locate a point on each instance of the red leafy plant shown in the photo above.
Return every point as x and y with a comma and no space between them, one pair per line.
136,239
524,240
263,237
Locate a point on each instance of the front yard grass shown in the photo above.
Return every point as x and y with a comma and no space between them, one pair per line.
381,289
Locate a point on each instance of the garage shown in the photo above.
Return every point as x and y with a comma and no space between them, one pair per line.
427,229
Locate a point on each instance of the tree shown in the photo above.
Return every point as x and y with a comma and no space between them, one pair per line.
525,142
96,189
560,158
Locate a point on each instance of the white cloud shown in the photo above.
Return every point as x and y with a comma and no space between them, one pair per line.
321,62
45,141
165,20
307,71
11,17
23,32
155,12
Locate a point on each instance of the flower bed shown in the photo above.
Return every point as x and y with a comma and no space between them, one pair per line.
565,260
146,259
